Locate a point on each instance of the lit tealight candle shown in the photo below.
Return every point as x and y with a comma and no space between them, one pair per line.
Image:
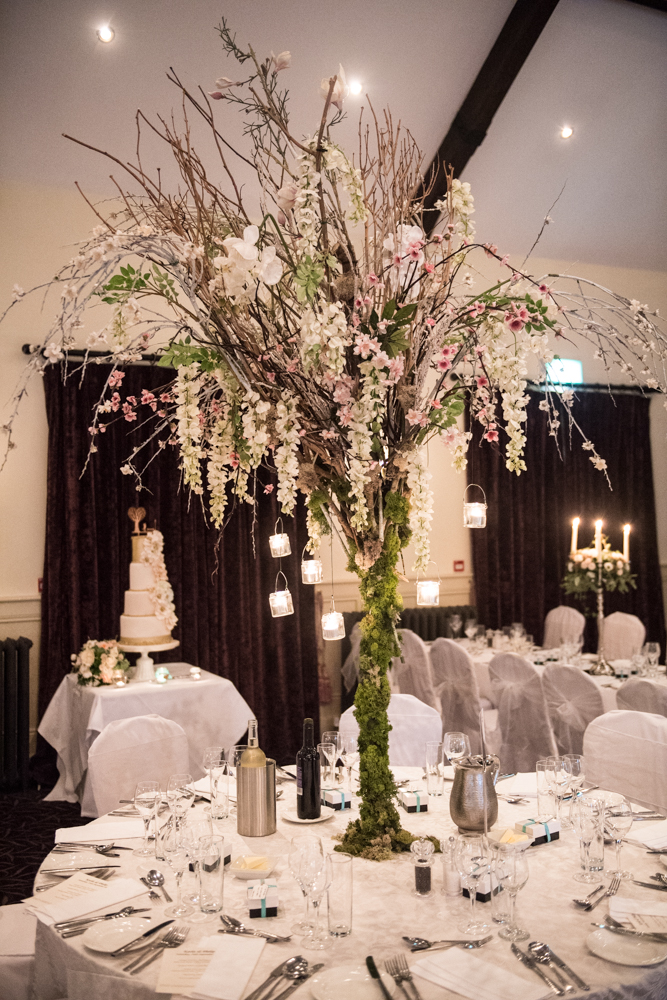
162,675
626,542
281,603
474,515
195,673
279,544
119,678
311,570
575,534
333,625
428,593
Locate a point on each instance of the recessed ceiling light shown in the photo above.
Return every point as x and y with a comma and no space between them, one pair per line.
106,33
355,88
566,132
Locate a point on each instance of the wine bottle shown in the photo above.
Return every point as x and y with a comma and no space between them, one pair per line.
253,756
308,776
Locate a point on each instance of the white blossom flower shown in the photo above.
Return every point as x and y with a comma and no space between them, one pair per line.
421,507
282,61
340,88
53,353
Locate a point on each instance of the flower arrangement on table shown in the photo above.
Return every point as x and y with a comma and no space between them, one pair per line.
324,327
162,594
582,571
97,661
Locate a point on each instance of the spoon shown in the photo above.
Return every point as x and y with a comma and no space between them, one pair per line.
240,928
541,952
156,878
421,944
151,892
586,900
659,877
293,968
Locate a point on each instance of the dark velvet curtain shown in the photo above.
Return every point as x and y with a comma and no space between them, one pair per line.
221,591
520,559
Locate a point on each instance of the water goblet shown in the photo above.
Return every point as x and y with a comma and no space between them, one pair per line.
457,746
177,858
651,651
317,938
471,857
455,623
435,779
305,855
180,795
471,628
192,835
511,870
146,799
618,820
559,780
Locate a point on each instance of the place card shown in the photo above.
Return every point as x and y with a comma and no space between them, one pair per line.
182,968
69,888
229,970
648,924
97,895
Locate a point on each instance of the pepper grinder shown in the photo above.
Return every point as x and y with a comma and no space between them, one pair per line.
422,857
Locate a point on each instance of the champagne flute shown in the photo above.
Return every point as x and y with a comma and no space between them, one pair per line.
350,755
457,746
194,834
652,652
332,736
575,766
472,860
618,820
304,853
511,870
214,765
146,799
177,857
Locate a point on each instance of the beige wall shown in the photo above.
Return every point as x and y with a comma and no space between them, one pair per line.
39,227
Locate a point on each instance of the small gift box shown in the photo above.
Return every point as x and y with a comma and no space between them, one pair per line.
486,886
542,833
414,802
262,898
335,798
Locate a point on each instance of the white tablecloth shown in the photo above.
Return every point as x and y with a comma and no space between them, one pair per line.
211,711
383,910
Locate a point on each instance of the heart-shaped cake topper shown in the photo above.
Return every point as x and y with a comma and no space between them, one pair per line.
136,514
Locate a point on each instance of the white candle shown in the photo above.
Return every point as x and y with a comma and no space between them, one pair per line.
575,534
279,545
474,515
428,593
311,571
598,539
626,542
281,603
333,625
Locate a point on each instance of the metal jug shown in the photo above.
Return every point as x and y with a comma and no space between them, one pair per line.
256,800
466,802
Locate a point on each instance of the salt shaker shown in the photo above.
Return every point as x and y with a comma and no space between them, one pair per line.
422,851
451,878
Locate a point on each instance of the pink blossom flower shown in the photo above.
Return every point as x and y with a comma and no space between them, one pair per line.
435,404
340,89
515,277
480,349
329,435
115,401
505,260
367,300
279,348
358,302
148,399
269,489
396,367
93,431
430,321
482,381
271,376
545,290
490,249
291,367
342,392
372,280
281,61
116,378
444,364
355,319
429,268
160,413
396,260
365,345
132,400
437,238
130,415
381,360
234,459
490,435
345,416
415,417
302,433
286,197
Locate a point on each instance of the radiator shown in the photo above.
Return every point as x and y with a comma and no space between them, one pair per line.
14,713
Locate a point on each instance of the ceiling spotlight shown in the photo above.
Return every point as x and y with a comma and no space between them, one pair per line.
566,132
106,33
355,88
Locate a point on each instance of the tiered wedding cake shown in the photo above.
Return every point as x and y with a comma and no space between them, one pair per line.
149,603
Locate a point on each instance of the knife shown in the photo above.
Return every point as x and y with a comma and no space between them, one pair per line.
532,964
650,885
89,920
151,930
372,968
662,938
577,980
299,981
84,868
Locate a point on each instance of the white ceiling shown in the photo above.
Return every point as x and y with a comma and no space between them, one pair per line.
599,66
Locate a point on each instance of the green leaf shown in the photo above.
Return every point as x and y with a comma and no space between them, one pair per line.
389,309
405,313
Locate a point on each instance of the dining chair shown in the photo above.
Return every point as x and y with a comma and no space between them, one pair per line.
623,636
523,718
411,672
562,624
413,724
145,747
626,752
573,700
639,695
17,952
455,682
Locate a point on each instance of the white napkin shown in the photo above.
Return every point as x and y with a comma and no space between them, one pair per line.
230,968
654,835
121,890
101,833
524,784
468,975
621,907
203,787
17,930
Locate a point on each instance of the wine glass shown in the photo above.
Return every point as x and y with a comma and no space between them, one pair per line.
472,860
327,753
575,765
455,623
618,820
317,939
215,766
511,869
332,737
651,651
559,778
305,854
471,628
457,746
177,857
349,752
234,757
146,799
588,818
180,795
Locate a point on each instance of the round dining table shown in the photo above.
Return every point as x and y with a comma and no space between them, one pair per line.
385,907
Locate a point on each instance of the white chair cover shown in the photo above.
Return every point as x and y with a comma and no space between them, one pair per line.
350,669
626,752
144,748
523,718
412,673
562,624
17,952
573,700
455,684
623,636
413,725
640,695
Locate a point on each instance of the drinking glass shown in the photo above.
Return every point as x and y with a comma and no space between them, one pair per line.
339,895
349,752
471,628
192,834
472,859
327,761
511,869
332,737
211,874
215,766
457,746
435,778
318,883
305,855
546,800
180,796
455,623
618,821
588,818
575,766
234,757
651,651
559,780
146,799
177,857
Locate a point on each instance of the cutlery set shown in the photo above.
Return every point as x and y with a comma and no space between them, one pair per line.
295,970
539,955
588,903
399,971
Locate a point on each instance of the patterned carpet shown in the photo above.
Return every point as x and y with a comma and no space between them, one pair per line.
27,828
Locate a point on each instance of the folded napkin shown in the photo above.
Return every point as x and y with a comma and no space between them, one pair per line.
621,907
17,930
101,833
653,835
121,890
524,783
203,787
464,973
230,969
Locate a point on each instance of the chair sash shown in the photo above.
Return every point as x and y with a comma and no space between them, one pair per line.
526,734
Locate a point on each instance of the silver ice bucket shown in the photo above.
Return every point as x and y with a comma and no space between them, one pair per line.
256,800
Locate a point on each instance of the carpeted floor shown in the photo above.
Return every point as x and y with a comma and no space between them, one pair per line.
27,828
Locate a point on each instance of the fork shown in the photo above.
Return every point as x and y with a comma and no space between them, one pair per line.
611,891
103,873
391,965
403,970
174,937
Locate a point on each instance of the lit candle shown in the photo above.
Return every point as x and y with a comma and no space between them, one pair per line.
162,674
575,534
279,544
428,593
195,674
474,515
626,542
281,603
598,539
311,571
333,625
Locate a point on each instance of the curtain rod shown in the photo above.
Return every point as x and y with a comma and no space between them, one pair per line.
596,387
77,352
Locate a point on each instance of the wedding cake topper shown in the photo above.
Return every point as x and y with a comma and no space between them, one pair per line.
136,515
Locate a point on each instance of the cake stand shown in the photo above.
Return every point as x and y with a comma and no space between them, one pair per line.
145,668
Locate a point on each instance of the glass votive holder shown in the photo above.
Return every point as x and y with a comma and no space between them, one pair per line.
162,675
474,515
333,625
428,593
195,673
118,677
281,603
279,545
311,571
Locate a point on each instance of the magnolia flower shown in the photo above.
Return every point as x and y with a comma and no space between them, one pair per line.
286,196
281,61
340,89
223,83
270,268
53,353
245,248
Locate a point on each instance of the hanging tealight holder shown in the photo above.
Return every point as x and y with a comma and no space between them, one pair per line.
311,569
474,514
281,600
333,624
279,542
428,591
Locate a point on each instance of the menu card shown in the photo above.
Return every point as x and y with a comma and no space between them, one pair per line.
182,968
